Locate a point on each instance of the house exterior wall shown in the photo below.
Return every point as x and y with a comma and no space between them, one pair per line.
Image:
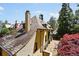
28,49
41,38
45,42
3,52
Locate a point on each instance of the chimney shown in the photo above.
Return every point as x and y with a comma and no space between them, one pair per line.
41,16
27,21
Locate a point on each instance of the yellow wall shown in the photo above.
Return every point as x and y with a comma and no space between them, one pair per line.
41,36
45,39
3,52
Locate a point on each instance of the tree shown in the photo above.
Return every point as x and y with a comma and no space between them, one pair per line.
52,22
77,12
65,20
3,30
0,23
6,21
77,15
76,21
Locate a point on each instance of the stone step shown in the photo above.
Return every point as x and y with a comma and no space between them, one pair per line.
51,47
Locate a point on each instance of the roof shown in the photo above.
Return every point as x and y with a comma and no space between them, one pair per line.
13,45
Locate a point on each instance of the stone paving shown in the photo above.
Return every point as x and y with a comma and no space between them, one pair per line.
52,47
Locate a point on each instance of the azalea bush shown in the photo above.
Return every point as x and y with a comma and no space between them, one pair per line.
69,45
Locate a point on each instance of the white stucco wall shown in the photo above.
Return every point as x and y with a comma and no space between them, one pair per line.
28,49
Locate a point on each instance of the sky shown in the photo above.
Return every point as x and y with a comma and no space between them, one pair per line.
16,11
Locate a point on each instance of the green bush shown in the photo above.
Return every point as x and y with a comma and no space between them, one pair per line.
4,31
76,28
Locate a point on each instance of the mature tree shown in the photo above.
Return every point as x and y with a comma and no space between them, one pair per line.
77,12
65,20
52,22
3,30
77,15
0,23
6,21
76,22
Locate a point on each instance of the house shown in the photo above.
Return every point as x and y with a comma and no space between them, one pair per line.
35,39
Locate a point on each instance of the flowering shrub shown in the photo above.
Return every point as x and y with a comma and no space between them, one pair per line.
69,45
72,36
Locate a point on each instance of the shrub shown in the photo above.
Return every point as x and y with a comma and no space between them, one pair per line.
76,28
69,45
4,31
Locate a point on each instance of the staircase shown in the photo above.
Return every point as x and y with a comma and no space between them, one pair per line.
52,47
